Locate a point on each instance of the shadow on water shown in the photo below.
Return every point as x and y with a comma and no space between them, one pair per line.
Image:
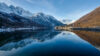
22,38
92,37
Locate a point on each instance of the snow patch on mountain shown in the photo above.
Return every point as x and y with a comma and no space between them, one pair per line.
12,9
46,20
18,14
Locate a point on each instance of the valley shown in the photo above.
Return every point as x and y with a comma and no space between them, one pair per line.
89,22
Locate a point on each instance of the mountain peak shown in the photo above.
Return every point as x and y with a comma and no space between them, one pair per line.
16,10
38,14
3,4
98,7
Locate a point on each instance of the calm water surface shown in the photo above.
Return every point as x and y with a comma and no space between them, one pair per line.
50,43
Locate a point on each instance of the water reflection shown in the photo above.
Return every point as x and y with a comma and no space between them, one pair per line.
17,39
45,43
90,36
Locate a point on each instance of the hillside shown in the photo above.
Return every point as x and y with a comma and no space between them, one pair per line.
91,19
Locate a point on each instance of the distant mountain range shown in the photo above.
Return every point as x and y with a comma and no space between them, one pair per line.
11,16
90,20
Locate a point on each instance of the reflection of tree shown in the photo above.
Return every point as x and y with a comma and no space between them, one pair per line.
18,37
92,37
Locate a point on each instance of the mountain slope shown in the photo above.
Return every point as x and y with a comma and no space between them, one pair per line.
46,20
90,20
17,12
15,21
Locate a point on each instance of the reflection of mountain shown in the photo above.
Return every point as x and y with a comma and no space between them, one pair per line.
20,39
92,37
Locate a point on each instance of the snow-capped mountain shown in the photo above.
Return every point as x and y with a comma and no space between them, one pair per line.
16,10
15,21
45,20
19,16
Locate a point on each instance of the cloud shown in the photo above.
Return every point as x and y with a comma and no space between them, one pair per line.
8,2
42,3
61,1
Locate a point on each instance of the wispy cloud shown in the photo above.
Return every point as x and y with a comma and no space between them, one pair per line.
61,1
8,2
77,14
42,3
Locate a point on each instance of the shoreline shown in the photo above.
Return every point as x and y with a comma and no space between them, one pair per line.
17,29
77,28
86,29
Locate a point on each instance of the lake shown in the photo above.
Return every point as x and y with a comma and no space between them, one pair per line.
50,43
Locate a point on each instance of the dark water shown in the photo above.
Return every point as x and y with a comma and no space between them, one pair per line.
50,43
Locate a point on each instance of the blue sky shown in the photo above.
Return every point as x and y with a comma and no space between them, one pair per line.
61,9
